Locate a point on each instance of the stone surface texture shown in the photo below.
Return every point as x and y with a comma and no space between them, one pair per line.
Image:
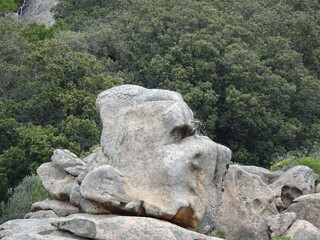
61,208
303,230
307,207
245,204
41,214
297,181
162,168
279,224
267,176
38,11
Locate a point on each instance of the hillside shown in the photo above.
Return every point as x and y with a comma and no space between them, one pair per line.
248,69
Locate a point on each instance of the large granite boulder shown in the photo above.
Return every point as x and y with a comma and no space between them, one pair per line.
279,224
297,181
151,161
245,203
307,207
303,230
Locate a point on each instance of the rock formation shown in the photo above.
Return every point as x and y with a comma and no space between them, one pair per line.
151,163
154,177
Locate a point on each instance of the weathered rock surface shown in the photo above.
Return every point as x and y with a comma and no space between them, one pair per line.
102,227
15,229
297,181
58,182
307,207
38,11
85,205
67,161
279,224
61,208
303,230
110,227
246,202
267,176
148,137
41,214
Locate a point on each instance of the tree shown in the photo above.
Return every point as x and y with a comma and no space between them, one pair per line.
6,6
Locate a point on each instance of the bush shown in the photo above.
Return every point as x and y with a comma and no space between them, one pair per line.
7,5
221,234
281,238
21,198
287,163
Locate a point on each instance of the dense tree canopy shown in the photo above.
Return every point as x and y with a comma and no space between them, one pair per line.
249,69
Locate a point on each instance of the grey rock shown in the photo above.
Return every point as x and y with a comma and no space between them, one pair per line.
267,176
61,208
297,181
66,235
56,181
14,228
149,137
307,207
318,188
67,161
106,185
85,205
36,236
303,230
93,161
110,227
38,11
245,204
279,224
41,214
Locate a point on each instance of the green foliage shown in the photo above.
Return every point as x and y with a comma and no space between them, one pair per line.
7,5
221,234
36,32
287,163
281,238
30,190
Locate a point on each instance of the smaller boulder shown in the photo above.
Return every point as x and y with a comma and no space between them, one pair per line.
13,228
297,181
267,176
279,224
61,208
41,214
85,205
106,185
307,207
301,229
56,181
67,161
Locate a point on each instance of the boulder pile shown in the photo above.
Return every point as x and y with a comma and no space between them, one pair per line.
154,177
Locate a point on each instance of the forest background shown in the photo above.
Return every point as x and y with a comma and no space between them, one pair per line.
249,69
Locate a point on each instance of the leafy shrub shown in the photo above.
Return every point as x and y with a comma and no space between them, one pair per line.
281,238
285,164
36,32
7,5
21,198
221,234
